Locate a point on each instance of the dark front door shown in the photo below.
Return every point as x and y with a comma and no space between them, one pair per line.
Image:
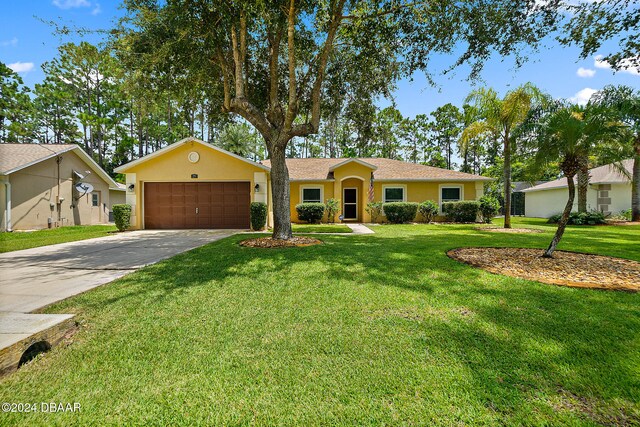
184,205
350,203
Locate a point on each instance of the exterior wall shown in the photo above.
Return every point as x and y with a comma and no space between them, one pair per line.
296,194
174,166
416,191
116,197
543,204
34,195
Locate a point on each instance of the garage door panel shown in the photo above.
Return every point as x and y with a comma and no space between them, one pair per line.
197,205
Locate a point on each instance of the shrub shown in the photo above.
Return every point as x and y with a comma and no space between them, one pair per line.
428,209
399,212
332,207
580,218
489,207
122,216
374,209
258,213
310,212
465,211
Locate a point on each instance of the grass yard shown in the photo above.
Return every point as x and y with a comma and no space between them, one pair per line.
24,240
362,330
320,228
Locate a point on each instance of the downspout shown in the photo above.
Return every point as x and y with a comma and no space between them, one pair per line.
7,212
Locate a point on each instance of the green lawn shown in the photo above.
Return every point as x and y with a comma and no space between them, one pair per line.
320,228
363,330
24,240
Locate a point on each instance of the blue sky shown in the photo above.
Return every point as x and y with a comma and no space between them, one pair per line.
26,42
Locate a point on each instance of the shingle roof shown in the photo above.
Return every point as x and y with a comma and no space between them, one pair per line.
387,169
607,174
14,157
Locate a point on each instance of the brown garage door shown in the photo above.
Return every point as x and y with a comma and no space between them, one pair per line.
174,205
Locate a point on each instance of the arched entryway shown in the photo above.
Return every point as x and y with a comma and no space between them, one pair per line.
351,199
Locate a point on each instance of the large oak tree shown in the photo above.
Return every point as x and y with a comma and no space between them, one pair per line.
277,63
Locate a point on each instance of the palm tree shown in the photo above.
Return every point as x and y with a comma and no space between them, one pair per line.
568,132
626,101
499,119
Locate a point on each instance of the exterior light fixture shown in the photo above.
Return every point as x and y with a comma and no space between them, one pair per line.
131,187
257,188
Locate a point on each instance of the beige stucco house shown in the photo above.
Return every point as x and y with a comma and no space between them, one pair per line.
609,192
192,184
39,187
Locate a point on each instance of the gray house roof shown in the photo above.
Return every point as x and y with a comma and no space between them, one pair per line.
607,174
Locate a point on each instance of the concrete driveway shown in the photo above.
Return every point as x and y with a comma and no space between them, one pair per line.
33,278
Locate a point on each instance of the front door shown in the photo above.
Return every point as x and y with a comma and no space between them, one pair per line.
350,203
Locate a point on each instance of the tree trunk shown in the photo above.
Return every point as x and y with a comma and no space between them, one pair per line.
583,184
280,192
507,183
562,224
635,183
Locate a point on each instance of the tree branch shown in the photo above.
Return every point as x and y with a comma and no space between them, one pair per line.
293,99
274,112
324,56
237,59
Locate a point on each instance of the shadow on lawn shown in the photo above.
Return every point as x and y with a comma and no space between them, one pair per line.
517,337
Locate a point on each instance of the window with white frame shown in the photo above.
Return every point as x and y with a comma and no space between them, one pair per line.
450,194
95,199
394,194
312,195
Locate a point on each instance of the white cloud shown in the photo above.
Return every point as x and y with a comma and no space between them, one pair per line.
12,42
21,67
583,96
96,9
585,72
626,65
71,4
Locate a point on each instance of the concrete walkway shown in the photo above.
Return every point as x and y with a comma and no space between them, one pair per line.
34,278
360,229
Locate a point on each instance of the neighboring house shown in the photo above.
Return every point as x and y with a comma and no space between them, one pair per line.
517,196
38,187
609,192
192,184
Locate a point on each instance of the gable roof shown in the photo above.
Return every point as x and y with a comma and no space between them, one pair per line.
607,174
353,160
319,169
15,157
168,148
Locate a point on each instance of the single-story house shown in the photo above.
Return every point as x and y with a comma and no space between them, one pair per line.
609,192
53,185
192,184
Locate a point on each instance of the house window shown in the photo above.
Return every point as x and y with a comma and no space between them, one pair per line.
95,199
450,194
394,194
311,195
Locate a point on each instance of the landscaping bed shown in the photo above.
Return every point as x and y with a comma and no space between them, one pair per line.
269,242
565,268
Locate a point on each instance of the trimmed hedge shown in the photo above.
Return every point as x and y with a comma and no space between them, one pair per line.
399,212
122,216
258,213
428,209
310,212
489,208
464,211
581,218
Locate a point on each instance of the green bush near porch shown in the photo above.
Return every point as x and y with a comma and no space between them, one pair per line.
400,212
310,212
463,211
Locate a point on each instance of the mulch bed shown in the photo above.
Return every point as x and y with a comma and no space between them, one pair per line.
565,268
269,242
509,230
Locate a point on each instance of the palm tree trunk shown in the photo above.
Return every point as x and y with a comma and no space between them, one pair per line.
562,224
507,183
635,183
583,184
